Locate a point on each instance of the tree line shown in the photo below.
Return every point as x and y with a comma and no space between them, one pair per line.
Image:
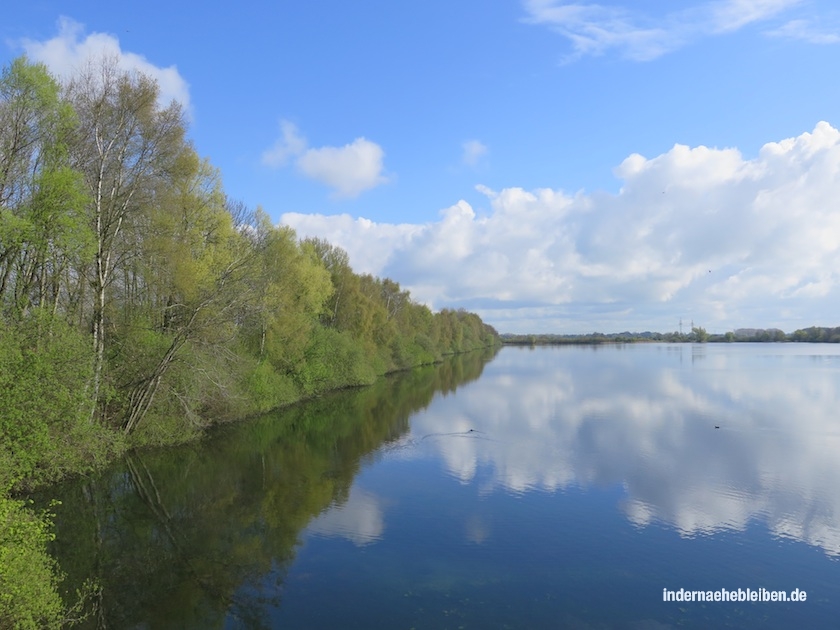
698,334
134,291
140,303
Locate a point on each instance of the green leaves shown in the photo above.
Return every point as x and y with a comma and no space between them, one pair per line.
42,199
112,225
29,577
138,305
44,374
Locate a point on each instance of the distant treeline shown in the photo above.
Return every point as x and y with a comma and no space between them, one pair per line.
814,334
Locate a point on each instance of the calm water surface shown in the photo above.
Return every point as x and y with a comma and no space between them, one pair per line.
544,488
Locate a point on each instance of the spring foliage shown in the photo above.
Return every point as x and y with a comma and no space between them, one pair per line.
28,576
139,304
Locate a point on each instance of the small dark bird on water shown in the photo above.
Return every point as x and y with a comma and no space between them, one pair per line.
717,427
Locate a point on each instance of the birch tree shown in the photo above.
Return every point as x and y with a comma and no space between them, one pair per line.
42,230
125,141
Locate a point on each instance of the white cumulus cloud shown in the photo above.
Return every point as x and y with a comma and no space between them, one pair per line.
68,52
349,170
370,245
696,232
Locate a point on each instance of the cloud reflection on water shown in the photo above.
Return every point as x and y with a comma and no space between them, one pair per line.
359,519
644,417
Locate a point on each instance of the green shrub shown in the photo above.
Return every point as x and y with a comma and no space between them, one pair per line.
45,371
29,577
267,389
334,359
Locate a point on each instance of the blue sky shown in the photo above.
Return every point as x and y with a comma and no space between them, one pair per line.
554,166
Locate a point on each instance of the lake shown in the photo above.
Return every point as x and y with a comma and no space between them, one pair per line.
548,487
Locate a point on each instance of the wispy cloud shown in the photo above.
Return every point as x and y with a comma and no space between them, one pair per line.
700,230
594,29
473,151
66,53
290,144
349,170
731,15
806,31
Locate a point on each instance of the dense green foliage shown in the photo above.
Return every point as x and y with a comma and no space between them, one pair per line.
139,304
137,300
45,370
28,576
